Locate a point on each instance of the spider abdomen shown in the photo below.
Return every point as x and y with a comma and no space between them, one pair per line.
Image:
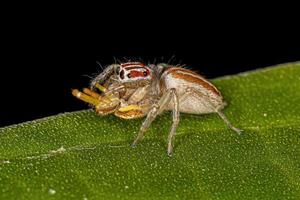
192,90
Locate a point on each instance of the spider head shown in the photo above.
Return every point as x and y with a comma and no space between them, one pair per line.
132,72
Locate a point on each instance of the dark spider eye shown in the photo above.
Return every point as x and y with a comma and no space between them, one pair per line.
122,74
128,75
145,73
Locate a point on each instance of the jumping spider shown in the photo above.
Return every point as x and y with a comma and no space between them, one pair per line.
133,90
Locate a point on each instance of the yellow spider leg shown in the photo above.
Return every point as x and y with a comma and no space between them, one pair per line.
112,98
84,97
109,96
100,87
91,93
130,107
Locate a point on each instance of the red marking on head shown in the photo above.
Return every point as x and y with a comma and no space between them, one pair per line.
136,74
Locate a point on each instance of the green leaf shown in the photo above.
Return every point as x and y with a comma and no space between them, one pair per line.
81,155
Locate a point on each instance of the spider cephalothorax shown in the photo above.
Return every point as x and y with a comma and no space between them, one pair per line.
125,73
133,90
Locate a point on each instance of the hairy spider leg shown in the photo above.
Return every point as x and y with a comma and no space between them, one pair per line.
155,110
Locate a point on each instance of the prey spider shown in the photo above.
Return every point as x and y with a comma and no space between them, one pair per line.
132,90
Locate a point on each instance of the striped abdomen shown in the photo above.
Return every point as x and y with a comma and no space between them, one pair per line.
181,79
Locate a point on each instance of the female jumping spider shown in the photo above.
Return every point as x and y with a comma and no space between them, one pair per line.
133,90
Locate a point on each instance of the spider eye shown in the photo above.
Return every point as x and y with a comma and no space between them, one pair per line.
122,74
128,75
145,73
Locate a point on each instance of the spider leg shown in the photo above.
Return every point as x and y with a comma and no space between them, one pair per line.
85,97
221,114
130,111
107,72
107,93
91,93
150,117
192,91
156,109
92,97
100,87
175,114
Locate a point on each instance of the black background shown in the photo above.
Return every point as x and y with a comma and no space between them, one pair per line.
39,70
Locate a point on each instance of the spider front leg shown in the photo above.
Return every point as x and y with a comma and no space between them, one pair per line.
108,71
157,109
103,104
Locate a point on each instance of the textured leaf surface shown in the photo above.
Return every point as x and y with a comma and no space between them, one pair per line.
81,155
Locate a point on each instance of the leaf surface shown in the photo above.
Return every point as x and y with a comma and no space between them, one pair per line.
80,155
